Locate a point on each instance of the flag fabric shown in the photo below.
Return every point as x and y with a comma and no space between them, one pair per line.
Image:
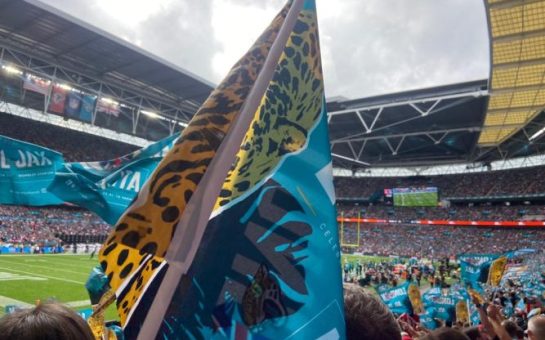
35,84
477,259
397,299
87,108
96,171
442,306
108,197
259,147
26,170
108,107
58,99
108,188
73,104
497,268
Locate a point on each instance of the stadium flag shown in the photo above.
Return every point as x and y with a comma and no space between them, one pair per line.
397,299
108,188
108,197
443,306
58,99
462,311
477,259
223,239
26,170
73,104
108,107
96,171
496,270
87,107
35,84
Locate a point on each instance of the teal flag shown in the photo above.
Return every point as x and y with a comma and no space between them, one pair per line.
26,170
235,234
96,171
108,197
108,188
397,299
477,259
441,306
475,267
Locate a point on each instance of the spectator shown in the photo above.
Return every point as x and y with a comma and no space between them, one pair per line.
366,317
536,328
45,322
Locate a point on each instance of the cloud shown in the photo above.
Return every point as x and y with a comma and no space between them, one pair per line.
368,47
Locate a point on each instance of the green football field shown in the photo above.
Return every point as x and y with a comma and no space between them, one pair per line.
416,199
24,279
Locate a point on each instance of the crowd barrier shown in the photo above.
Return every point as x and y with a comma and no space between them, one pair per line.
29,250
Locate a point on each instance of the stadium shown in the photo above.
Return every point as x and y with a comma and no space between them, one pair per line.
220,209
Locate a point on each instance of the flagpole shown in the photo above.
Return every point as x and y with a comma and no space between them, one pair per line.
190,229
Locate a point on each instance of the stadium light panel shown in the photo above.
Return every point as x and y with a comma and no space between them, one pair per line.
108,100
64,86
537,134
150,114
12,70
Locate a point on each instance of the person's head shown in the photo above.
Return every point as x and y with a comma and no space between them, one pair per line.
515,332
446,333
474,333
48,321
366,317
536,328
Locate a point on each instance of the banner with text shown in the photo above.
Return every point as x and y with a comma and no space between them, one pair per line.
26,170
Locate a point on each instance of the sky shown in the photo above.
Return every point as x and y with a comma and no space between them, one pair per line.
369,47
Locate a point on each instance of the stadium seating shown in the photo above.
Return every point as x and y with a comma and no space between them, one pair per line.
74,146
436,241
49,226
498,212
497,183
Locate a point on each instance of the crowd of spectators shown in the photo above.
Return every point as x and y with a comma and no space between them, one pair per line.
46,226
465,212
436,241
511,310
75,146
492,183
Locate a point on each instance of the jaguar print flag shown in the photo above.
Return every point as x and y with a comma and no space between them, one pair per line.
234,235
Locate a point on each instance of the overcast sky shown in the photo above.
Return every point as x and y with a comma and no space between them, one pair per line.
369,47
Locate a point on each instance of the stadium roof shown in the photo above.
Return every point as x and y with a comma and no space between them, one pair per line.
54,36
477,122
517,79
435,125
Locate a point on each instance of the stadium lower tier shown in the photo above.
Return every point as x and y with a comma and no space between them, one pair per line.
50,226
435,241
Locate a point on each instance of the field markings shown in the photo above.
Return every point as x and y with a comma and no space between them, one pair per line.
46,276
6,301
69,263
42,267
80,303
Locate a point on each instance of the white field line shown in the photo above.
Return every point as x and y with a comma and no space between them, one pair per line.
41,275
5,301
42,267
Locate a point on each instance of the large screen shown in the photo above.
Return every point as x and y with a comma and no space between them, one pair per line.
415,197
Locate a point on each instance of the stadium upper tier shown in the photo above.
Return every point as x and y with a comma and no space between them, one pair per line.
455,212
525,182
74,146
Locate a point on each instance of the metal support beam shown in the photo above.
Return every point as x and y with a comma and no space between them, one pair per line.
349,159
408,134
